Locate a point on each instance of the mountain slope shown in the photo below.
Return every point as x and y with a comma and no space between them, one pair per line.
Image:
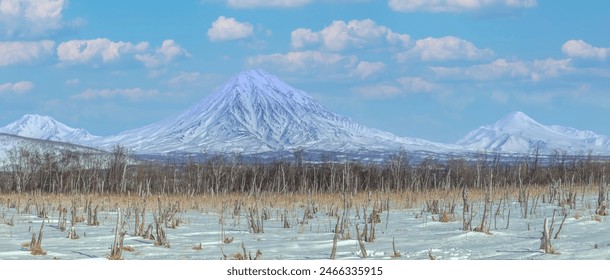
256,112
9,142
46,128
518,133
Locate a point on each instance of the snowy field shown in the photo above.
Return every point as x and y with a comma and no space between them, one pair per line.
417,234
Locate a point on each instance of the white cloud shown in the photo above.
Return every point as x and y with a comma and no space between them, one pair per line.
305,60
302,37
132,94
21,52
166,53
105,50
402,86
30,17
444,48
242,4
581,49
224,29
84,51
501,69
340,35
185,78
18,87
548,68
73,82
377,91
416,84
327,65
456,6
366,69
499,97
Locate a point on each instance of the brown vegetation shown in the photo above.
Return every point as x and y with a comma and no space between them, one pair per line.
293,192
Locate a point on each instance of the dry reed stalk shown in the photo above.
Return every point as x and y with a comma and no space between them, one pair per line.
36,243
545,241
360,243
560,226
116,251
333,252
395,253
198,247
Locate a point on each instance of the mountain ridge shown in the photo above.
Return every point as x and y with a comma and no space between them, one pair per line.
46,128
255,112
518,133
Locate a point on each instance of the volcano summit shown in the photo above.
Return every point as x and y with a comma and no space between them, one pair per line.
255,112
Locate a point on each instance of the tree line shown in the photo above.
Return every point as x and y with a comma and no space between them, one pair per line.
29,170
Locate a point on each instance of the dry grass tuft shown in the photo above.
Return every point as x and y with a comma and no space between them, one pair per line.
395,254
37,251
198,247
445,217
128,248
577,215
238,256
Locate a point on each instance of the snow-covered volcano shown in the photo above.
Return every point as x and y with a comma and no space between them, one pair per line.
256,112
12,143
46,128
518,133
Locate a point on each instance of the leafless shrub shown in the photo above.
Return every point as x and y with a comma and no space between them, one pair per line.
545,240
36,243
362,249
254,219
198,247
445,217
395,254
116,252
228,240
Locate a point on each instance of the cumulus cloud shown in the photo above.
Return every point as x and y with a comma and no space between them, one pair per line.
549,67
457,6
185,78
502,69
132,94
328,65
340,35
581,49
73,82
105,50
22,52
225,29
168,51
244,4
444,48
31,17
18,87
305,60
377,91
416,84
401,86
83,51
366,69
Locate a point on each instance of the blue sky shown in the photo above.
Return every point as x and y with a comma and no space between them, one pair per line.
426,69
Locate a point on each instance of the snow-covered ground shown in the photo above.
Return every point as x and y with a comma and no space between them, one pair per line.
417,235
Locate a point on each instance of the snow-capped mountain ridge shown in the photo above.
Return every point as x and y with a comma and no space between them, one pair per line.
10,143
46,128
518,133
255,112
